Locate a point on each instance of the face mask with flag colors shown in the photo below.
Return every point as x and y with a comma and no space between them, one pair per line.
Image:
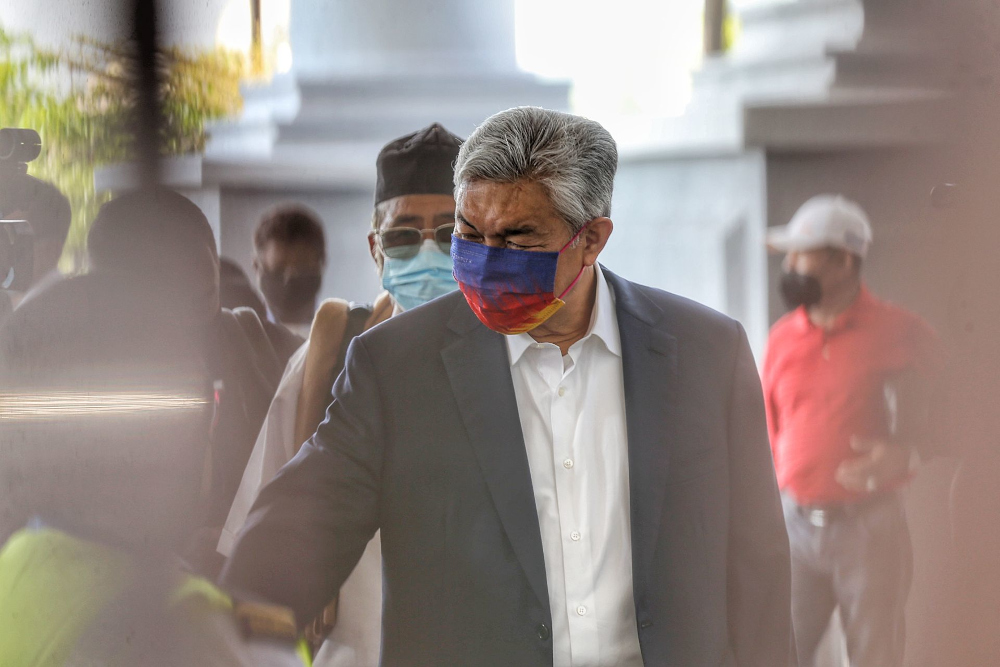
510,291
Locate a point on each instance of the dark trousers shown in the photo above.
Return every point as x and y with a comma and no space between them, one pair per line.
858,559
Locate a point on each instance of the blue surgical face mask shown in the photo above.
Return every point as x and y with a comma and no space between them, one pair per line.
415,281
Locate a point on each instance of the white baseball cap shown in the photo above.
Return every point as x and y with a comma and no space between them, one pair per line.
825,221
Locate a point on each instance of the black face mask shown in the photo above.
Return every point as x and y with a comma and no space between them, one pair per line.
799,289
290,298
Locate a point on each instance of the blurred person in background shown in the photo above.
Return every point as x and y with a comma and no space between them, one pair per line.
410,243
106,418
129,238
847,384
236,290
49,213
512,443
289,258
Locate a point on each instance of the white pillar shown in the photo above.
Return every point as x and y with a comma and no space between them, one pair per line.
370,38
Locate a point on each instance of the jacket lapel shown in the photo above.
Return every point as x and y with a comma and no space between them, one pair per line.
649,366
479,371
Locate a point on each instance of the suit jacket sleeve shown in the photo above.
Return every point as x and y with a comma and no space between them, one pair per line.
759,577
311,524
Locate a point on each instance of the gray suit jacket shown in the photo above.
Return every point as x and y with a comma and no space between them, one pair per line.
423,440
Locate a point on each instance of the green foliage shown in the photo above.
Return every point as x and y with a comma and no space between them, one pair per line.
80,101
731,30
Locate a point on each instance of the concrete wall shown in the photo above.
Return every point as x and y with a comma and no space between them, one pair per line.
350,271
694,226
379,37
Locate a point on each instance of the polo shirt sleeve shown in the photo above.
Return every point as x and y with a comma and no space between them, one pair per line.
767,382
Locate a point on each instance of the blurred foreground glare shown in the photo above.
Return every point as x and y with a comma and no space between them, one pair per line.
59,404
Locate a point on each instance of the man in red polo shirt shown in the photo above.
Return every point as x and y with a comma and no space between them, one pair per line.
846,385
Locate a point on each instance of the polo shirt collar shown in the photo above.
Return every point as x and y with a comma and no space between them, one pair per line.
846,319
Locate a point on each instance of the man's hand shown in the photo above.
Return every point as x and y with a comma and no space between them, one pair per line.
321,627
879,463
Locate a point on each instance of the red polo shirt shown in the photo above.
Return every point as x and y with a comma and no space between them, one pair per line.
823,386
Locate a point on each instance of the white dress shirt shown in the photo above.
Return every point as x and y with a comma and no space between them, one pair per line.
357,636
572,412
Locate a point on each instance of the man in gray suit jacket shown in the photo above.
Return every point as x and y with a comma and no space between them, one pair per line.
567,468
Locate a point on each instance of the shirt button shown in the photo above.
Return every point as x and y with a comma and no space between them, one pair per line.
562,391
581,610
568,463
575,536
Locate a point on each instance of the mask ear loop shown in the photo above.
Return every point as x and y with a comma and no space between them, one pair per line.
575,237
579,275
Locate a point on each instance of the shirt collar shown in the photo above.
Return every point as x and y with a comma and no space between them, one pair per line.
846,319
603,323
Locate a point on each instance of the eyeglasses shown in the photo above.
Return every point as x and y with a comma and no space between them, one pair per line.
405,242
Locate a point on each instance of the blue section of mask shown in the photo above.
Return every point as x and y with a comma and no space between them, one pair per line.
492,270
415,281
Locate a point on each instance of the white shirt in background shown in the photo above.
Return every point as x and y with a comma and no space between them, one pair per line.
301,330
356,638
572,412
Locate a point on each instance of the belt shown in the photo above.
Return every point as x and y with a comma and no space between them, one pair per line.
824,515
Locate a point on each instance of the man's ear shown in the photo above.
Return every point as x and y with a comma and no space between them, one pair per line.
856,263
595,237
847,260
375,251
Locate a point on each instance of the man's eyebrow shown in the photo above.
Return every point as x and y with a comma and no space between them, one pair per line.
519,229
405,219
522,230
461,219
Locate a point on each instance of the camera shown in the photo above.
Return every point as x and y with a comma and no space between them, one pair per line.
18,147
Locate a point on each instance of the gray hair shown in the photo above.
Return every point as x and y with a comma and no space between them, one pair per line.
379,216
573,158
